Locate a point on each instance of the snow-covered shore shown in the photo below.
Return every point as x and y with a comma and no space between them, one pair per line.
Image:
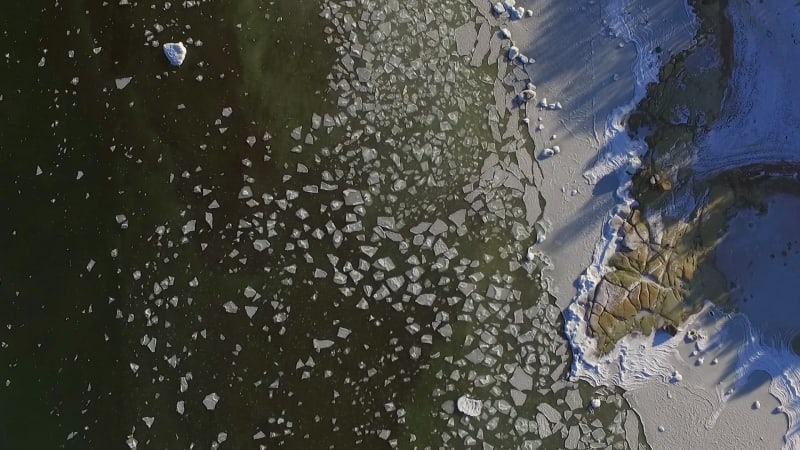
731,388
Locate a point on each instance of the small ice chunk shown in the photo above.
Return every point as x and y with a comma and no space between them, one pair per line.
343,333
756,404
676,377
476,356
573,399
469,406
518,397
513,52
320,344
245,192
175,52
438,227
572,438
527,95
122,82
699,361
353,197
425,299
549,412
595,403
211,400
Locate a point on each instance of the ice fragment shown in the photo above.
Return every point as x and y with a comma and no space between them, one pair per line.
175,53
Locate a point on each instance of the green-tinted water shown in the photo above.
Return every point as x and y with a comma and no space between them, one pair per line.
335,285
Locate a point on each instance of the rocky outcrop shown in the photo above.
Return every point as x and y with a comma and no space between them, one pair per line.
647,283
654,276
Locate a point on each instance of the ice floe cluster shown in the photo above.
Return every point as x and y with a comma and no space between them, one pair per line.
377,255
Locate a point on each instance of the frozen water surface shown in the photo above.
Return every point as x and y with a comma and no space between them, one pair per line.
332,205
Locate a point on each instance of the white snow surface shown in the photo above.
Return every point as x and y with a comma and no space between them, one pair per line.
760,118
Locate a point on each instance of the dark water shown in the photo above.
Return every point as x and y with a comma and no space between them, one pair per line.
130,251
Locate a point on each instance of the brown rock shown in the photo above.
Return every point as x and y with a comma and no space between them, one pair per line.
624,310
632,241
689,267
643,231
639,258
607,323
671,307
674,270
623,278
634,296
649,295
655,267
608,294
621,261
635,217
647,324
673,234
